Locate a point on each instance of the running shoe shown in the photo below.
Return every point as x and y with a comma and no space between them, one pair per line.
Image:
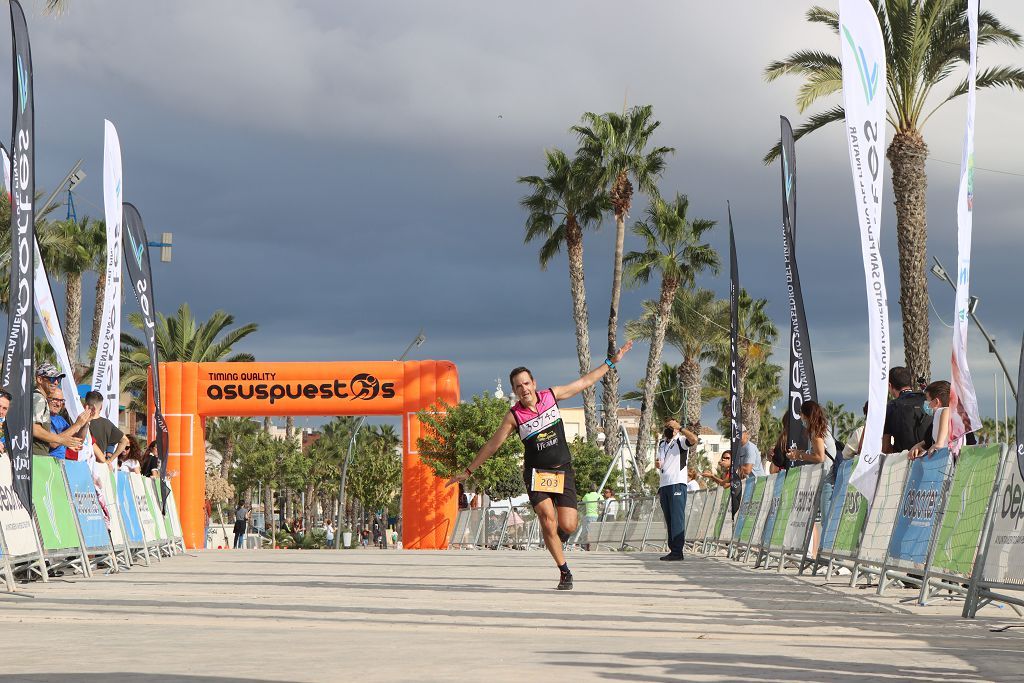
565,582
671,557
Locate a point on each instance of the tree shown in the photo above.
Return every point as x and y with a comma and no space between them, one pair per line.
77,248
925,41
223,433
454,434
375,475
694,329
179,338
590,463
617,146
675,251
669,401
560,206
842,421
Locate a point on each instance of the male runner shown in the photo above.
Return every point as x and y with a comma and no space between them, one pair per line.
547,462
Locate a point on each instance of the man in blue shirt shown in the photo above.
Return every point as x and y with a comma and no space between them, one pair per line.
749,457
60,426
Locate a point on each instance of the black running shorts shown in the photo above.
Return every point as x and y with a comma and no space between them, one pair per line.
565,499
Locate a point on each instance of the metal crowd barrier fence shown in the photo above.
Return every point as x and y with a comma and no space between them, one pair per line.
83,519
944,528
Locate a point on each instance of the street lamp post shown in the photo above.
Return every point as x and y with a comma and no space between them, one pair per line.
416,342
940,272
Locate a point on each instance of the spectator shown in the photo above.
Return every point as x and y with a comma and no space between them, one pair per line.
151,461
780,451
207,514
329,530
108,441
693,484
591,511
611,506
906,422
43,437
724,476
5,405
673,452
820,445
936,406
59,425
855,440
131,457
364,537
241,521
749,457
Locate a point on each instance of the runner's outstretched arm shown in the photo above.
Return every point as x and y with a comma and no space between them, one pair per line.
591,378
489,448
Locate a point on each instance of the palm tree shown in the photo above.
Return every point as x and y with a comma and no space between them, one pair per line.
925,40
693,329
179,338
560,206
760,391
224,433
77,253
674,249
757,333
617,146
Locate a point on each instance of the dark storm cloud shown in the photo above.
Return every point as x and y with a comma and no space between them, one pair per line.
344,174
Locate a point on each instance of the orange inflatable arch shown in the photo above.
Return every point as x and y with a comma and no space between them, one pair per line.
192,392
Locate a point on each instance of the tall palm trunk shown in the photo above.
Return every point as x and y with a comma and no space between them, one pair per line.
689,374
97,311
643,437
268,510
227,457
73,289
907,154
574,247
621,195
751,416
289,428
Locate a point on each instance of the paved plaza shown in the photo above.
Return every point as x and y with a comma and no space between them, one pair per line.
369,615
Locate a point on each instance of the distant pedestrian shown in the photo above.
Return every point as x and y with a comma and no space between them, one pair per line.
611,506
329,529
241,522
591,512
364,537
207,515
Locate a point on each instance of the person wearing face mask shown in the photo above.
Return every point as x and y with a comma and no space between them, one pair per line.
937,407
547,462
671,461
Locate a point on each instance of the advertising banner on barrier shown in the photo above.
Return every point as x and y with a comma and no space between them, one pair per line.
91,520
172,507
789,491
57,525
919,507
723,510
110,498
960,533
126,505
138,488
802,385
864,100
855,511
159,526
802,513
753,511
1004,561
746,496
763,509
18,379
836,507
710,512
882,515
773,507
16,524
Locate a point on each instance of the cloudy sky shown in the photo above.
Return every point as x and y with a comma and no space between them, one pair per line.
344,173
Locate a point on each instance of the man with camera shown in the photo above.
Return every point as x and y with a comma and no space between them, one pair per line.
673,453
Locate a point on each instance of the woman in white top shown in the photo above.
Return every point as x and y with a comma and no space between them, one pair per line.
937,405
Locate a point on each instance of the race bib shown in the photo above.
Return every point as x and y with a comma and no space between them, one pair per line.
547,481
